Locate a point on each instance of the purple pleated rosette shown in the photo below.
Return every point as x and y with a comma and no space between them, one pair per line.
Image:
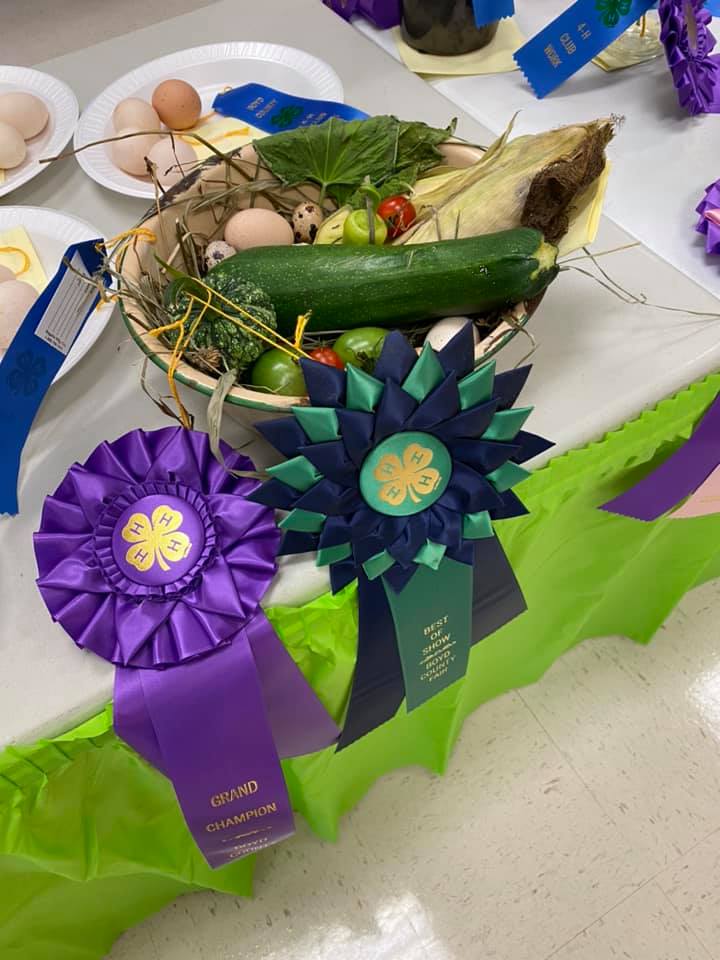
709,222
151,556
689,43
395,480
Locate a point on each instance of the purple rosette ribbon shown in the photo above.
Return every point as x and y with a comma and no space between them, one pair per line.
151,556
689,43
709,222
381,13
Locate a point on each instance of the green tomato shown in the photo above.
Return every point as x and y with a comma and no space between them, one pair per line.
356,230
361,347
278,373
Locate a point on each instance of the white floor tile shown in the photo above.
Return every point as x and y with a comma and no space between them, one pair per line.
641,726
692,885
643,927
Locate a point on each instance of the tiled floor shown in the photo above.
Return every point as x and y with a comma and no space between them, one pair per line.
579,820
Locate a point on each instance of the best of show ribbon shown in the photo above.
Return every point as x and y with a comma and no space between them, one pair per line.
681,475
574,38
381,13
395,479
487,11
688,46
274,111
37,352
151,556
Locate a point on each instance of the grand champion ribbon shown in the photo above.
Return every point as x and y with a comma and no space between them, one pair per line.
37,352
395,479
574,38
274,111
151,556
683,474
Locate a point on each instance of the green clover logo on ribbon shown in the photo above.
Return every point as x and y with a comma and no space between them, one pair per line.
611,10
286,117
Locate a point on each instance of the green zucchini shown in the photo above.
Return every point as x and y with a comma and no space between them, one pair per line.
395,286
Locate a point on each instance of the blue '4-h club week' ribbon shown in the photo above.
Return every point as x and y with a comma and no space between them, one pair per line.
395,480
574,38
274,111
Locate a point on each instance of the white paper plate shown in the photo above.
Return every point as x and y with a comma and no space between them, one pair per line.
209,69
52,232
63,109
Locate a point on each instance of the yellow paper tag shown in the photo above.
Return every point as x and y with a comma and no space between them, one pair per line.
585,215
19,238
496,57
225,133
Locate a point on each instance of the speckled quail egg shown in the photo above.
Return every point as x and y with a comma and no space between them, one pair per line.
306,220
217,251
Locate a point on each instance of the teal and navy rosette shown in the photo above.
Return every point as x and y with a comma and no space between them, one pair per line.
395,479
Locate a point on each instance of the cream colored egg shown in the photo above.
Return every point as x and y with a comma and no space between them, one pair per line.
27,113
6,274
135,113
173,159
12,147
442,332
257,228
16,298
460,154
177,104
129,154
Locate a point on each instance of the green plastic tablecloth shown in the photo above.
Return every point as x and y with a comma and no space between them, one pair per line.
91,837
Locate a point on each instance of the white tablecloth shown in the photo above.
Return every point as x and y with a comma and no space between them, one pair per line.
599,361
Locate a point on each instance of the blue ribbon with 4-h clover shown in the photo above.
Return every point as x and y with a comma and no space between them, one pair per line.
580,33
395,479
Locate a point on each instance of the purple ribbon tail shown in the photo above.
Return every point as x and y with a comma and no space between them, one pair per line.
680,475
300,723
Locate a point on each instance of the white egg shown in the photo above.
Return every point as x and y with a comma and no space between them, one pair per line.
136,113
12,147
173,160
16,298
6,274
257,228
129,154
28,114
460,154
441,333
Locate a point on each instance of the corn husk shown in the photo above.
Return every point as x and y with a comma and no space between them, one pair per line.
532,181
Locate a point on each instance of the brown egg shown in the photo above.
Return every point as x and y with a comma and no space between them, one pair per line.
27,113
12,147
173,160
136,113
6,274
16,298
177,103
129,154
257,228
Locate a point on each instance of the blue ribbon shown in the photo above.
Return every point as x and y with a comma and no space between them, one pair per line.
486,11
274,111
31,362
574,38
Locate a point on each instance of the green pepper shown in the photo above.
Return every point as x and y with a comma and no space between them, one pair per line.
278,373
356,230
361,347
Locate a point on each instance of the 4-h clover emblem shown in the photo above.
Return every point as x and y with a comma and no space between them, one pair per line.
405,474
155,539
611,10
285,117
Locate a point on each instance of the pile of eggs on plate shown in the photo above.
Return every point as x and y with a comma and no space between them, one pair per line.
16,298
22,117
177,105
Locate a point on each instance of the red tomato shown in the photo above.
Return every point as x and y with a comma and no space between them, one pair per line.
327,356
398,213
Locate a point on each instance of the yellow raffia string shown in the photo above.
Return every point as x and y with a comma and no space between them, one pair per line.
21,253
302,322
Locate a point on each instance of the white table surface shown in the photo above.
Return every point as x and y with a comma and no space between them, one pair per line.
599,362
664,159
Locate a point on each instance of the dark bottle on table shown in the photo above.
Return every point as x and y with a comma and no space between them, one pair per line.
444,27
